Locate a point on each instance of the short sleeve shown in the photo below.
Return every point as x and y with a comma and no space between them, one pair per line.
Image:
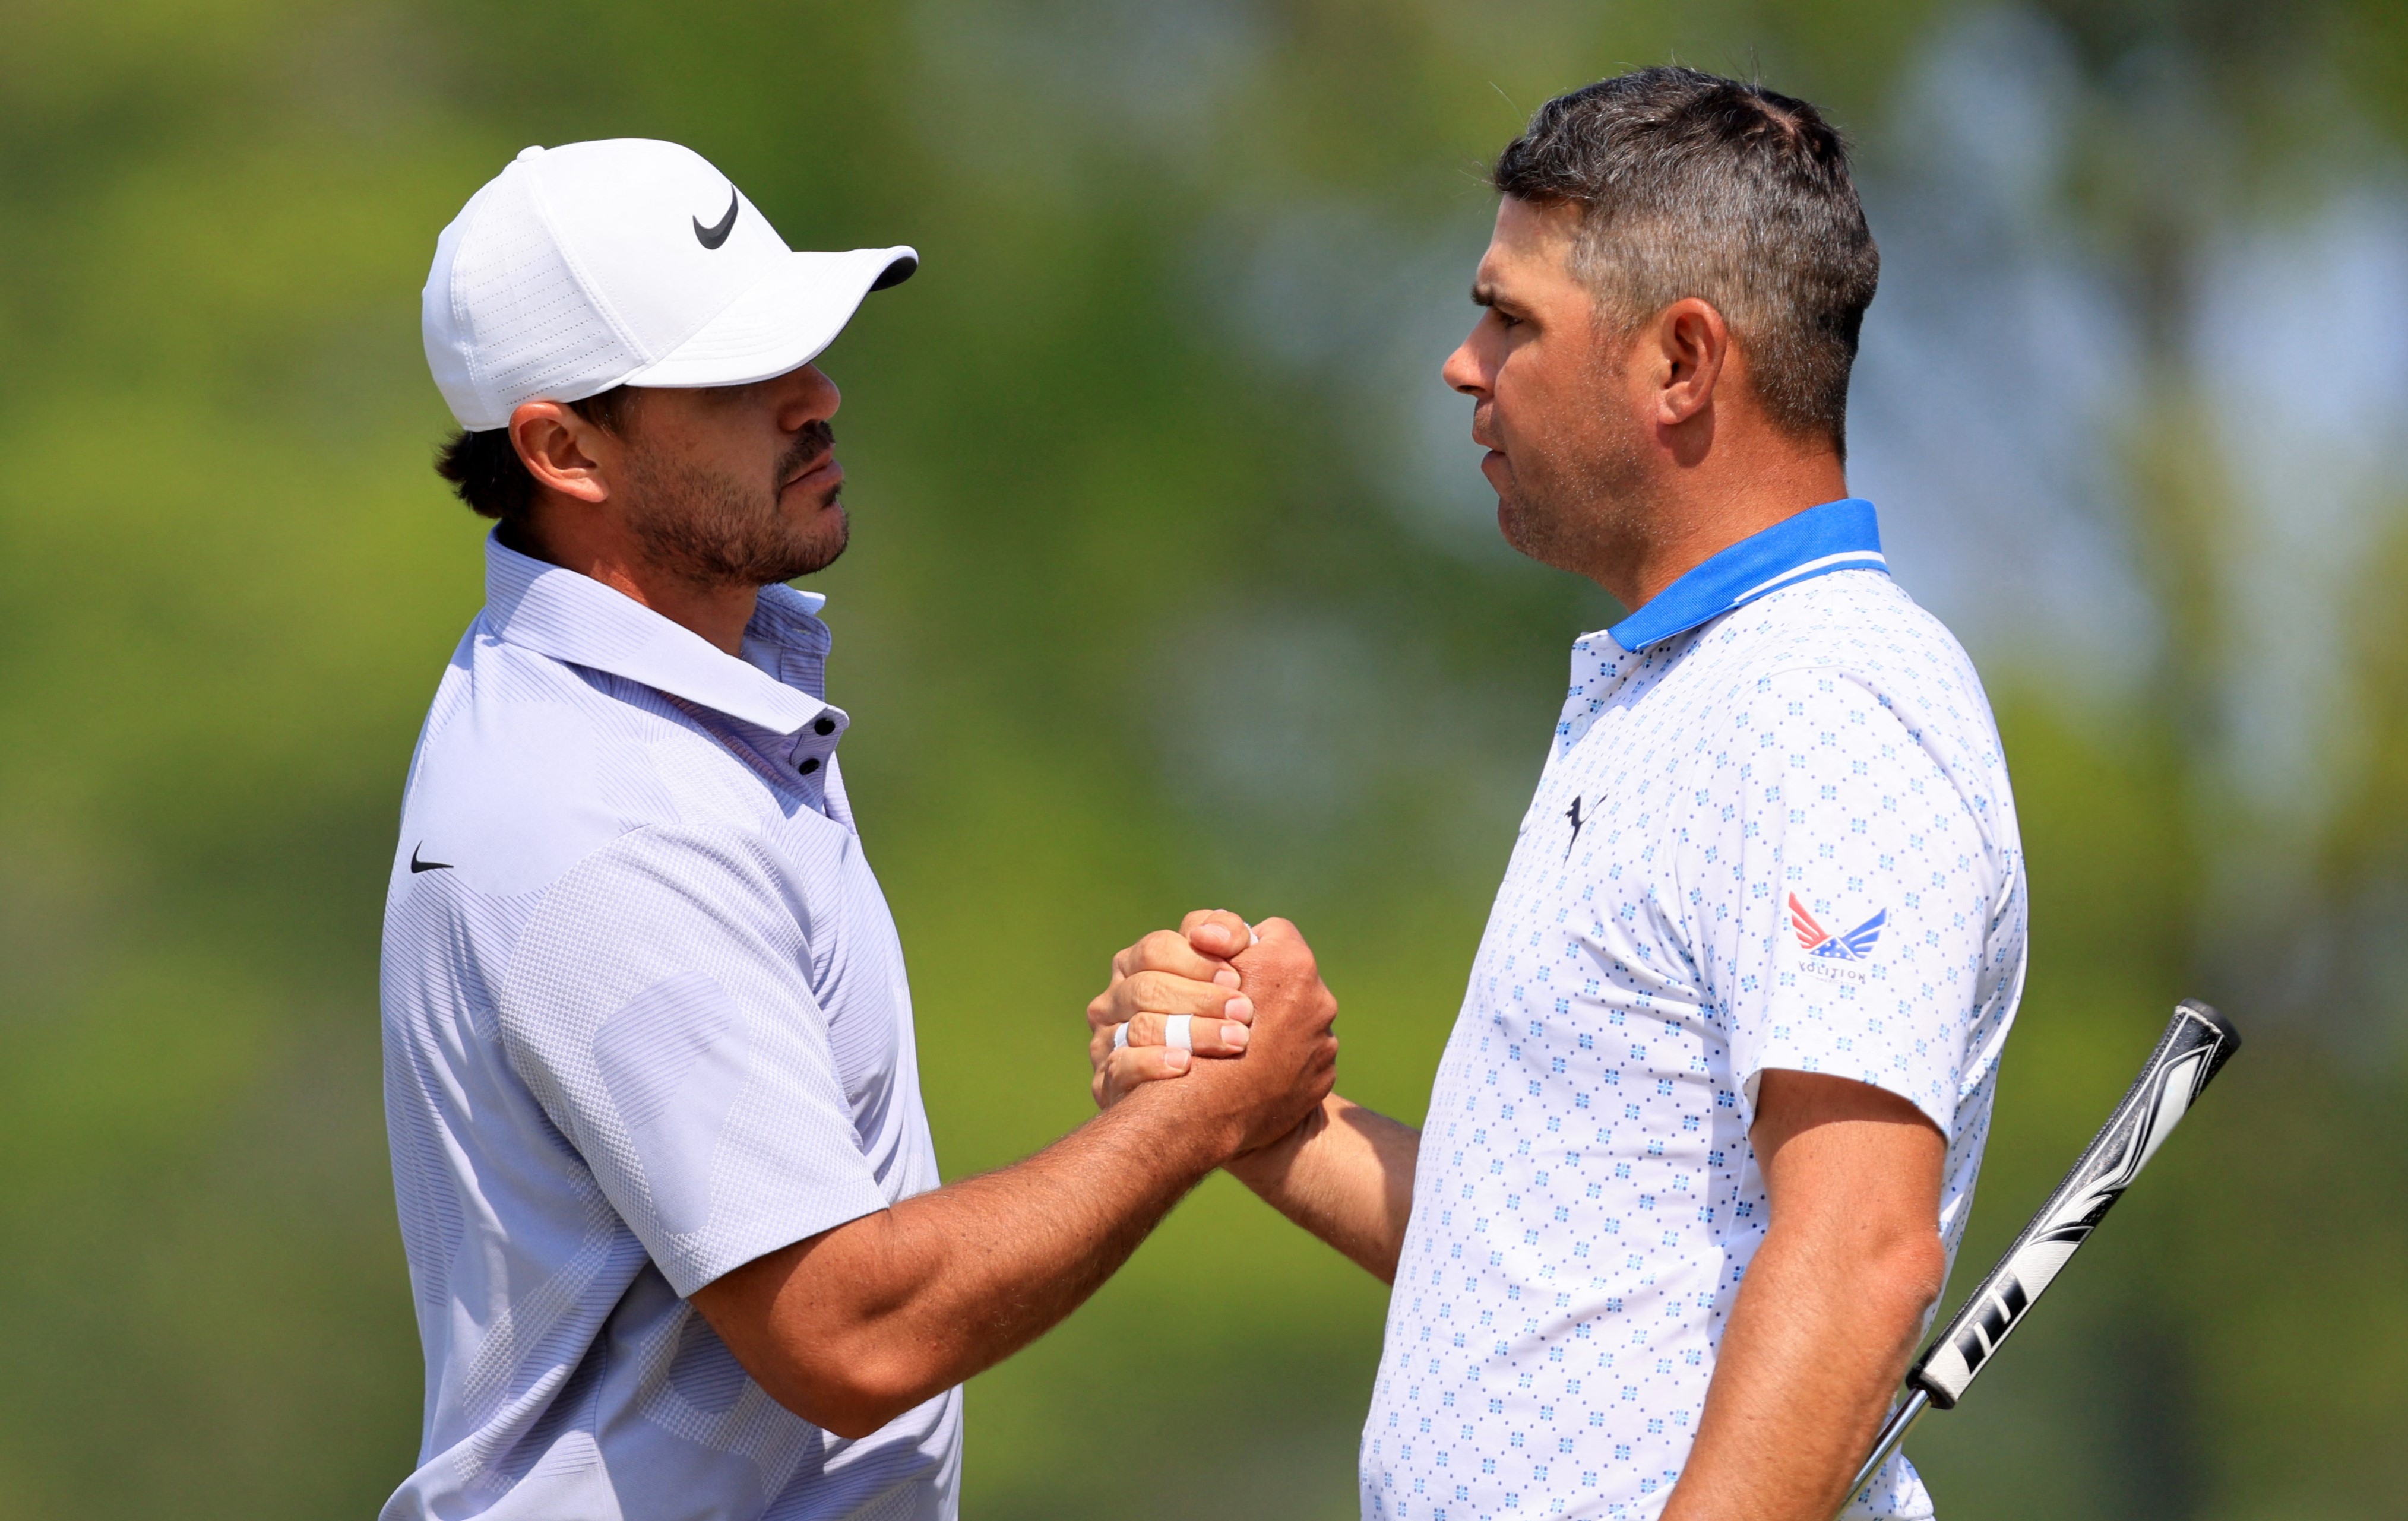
659,1008
1841,894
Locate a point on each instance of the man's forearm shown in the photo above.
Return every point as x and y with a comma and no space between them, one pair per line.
1817,1342
860,1323
1345,1174
891,1309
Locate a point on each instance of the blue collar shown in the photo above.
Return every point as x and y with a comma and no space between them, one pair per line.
1835,537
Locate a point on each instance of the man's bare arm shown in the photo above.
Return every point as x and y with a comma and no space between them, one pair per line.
857,1325
854,1326
1345,1173
1832,1303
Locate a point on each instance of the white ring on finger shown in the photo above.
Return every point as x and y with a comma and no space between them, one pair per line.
1176,1034
1120,1036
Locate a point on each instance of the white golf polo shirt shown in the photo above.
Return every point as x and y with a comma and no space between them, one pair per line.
1774,830
645,1020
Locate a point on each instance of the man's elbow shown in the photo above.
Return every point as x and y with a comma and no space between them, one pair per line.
1908,1273
852,1396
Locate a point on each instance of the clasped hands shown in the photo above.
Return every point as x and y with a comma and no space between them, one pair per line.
1228,990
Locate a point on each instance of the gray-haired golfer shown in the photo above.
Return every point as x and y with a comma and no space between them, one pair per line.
1705,1136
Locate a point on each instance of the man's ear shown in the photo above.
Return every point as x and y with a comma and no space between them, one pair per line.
562,451
1692,344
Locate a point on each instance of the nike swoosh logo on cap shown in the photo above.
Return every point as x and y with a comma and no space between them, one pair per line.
711,238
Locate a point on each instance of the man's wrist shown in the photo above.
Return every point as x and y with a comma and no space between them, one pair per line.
1262,1168
1186,1124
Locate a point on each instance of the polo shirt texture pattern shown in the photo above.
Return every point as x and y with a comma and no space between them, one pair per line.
645,1020
1774,830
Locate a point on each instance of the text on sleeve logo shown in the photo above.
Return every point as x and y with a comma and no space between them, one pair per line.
711,238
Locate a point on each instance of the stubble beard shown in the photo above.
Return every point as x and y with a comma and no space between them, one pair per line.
1579,507
712,529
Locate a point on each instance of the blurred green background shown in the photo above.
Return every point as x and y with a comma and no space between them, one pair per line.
1172,584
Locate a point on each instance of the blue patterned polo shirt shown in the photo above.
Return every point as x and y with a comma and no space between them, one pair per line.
1774,830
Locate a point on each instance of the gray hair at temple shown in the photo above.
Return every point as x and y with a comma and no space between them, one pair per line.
1694,185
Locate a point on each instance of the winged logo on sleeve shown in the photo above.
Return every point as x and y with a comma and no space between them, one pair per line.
1856,945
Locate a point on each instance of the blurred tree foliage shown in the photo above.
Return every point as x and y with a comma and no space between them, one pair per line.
1132,621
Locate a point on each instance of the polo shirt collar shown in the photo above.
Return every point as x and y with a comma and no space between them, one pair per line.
576,620
1835,537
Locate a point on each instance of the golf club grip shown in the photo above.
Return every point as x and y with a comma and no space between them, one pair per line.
2193,1048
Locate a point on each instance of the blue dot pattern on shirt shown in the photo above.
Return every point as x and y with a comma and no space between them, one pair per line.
1783,839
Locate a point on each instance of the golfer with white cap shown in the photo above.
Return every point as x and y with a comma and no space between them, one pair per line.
672,1213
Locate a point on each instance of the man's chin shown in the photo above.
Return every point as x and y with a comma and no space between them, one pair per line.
1538,536
822,545
1512,514
1514,522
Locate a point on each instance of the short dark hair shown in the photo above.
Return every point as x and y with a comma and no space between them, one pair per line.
486,472
1694,185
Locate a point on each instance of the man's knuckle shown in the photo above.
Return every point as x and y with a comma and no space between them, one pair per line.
1157,989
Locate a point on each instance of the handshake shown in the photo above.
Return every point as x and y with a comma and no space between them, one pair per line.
1236,1016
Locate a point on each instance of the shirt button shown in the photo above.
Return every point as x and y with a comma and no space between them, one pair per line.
811,765
825,725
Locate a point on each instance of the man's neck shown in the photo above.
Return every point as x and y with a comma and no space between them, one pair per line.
719,612
1699,513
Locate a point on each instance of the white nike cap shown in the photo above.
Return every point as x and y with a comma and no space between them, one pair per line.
627,262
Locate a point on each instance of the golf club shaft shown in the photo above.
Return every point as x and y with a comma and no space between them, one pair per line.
1893,1431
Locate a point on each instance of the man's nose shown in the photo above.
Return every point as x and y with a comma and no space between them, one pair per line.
1461,371
812,397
